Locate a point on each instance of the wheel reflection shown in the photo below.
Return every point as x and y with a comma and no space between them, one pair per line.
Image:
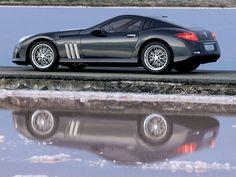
126,138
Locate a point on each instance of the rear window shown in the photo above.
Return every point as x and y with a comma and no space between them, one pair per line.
149,24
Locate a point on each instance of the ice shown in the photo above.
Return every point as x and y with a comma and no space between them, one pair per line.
30,176
188,166
2,139
98,163
25,140
49,159
118,96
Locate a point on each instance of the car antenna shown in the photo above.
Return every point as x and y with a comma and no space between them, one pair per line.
164,16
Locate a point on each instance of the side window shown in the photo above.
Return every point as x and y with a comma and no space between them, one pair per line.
123,25
149,24
136,26
116,26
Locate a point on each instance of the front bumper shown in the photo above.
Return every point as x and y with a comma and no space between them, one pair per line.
19,55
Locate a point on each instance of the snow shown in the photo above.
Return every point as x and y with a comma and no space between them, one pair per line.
50,159
2,139
99,163
30,176
188,166
118,96
173,166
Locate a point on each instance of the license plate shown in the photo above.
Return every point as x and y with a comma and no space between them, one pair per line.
209,47
208,135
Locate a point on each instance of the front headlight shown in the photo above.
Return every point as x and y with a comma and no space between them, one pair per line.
23,38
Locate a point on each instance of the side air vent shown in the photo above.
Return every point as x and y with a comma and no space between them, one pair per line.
72,50
73,128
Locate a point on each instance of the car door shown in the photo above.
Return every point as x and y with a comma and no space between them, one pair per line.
115,39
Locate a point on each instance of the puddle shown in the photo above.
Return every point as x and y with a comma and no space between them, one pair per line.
62,137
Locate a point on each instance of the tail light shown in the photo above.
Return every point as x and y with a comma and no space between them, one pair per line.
187,148
213,35
191,36
213,144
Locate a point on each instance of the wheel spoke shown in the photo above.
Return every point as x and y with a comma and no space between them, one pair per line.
42,122
156,57
155,127
42,55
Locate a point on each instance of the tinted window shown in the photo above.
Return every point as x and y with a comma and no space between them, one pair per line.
123,25
149,24
135,26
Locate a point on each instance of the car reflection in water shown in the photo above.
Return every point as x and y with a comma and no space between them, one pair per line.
124,138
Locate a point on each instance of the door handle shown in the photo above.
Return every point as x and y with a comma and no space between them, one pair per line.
131,35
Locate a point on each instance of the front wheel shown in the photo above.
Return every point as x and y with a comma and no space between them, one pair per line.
156,57
42,124
44,56
186,67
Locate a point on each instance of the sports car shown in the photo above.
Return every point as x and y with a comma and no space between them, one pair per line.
126,40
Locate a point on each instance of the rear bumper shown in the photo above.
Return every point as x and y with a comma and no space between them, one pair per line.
197,51
206,58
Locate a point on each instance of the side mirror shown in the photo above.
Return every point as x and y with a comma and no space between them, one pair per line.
99,32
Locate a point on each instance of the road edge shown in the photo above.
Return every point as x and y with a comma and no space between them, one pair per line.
126,86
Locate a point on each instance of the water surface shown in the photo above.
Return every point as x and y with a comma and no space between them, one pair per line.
100,138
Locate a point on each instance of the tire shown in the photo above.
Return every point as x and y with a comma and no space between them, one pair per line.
42,124
76,66
158,135
44,56
186,67
161,62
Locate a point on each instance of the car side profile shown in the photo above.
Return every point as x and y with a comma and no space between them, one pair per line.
126,40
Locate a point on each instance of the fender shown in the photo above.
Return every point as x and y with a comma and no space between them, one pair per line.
166,35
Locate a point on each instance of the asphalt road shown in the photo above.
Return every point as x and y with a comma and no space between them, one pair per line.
119,74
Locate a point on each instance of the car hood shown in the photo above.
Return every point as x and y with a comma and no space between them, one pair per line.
58,34
69,32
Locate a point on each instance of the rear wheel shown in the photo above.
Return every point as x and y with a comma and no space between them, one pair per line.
44,56
186,67
156,57
155,129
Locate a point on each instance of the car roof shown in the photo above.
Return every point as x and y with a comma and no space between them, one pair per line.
140,16
156,18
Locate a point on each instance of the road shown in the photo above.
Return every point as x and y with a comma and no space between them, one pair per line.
120,74
134,80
